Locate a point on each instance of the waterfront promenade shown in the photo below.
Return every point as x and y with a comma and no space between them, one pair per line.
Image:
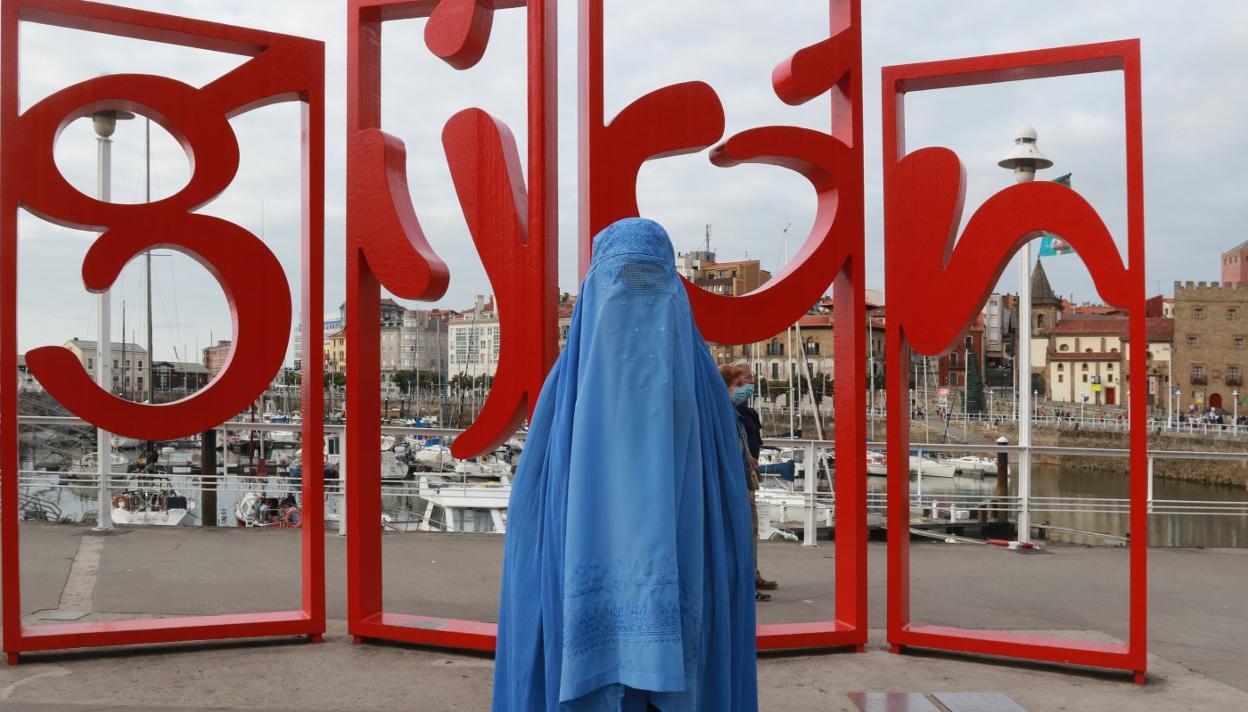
1198,624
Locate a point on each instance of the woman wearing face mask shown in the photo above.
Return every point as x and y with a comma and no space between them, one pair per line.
752,426
735,379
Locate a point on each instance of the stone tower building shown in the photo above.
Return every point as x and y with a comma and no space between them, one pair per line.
1210,343
1046,307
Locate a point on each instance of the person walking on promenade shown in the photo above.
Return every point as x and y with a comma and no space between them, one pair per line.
753,427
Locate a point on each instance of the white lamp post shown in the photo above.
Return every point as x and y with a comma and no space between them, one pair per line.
105,123
1235,411
1024,160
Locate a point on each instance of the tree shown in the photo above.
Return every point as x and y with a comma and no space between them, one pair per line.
291,377
333,378
823,385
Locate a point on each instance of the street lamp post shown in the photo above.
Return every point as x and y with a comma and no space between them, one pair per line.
1024,159
105,123
1235,411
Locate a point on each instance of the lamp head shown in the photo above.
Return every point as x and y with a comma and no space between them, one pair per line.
105,121
1025,157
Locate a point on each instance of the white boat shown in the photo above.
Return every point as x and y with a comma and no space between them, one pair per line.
972,465
435,455
179,462
877,464
480,507
151,500
87,464
392,466
488,467
256,510
931,468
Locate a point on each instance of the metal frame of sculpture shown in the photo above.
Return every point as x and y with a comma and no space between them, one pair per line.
284,68
688,117
923,195
514,229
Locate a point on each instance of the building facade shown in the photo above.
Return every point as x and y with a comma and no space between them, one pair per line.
1235,264
335,352
473,340
1210,342
215,356
129,365
177,378
1086,359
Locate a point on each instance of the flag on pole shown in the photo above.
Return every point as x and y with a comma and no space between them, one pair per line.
1052,245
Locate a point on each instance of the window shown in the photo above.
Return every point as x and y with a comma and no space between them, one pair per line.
140,364
1239,342
1085,367
1198,371
1231,313
1191,340
1061,367
1039,321
90,363
1232,372
1110,366
775,370
1109,378
1060,378
1198,312
1085,378
1064,347
953,360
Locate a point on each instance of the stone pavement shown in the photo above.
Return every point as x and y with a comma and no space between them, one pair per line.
1197,628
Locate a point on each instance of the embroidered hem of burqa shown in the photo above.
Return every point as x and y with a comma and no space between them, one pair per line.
628,573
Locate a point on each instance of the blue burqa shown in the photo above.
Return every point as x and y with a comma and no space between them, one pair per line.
628,575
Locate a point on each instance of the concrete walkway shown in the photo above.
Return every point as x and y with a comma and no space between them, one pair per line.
1198,625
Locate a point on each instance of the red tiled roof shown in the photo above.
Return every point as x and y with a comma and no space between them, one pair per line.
815,320
1092,324
1159,328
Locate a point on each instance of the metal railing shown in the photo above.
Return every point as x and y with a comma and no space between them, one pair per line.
812,451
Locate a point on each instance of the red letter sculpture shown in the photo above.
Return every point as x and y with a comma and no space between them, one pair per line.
937,288
685,118
515,233
283,69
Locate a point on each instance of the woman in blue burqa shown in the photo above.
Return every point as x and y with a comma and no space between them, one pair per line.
628,575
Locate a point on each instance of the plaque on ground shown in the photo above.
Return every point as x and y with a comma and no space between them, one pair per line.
892,702
977,702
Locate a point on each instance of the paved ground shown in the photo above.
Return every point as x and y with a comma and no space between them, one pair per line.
1198,624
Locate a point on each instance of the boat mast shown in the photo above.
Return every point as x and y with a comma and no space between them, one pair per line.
147,257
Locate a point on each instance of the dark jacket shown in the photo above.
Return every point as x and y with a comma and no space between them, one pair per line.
753,428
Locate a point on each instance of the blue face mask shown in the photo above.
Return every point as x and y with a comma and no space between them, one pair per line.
742,394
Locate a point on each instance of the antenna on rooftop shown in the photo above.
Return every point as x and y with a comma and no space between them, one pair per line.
708,237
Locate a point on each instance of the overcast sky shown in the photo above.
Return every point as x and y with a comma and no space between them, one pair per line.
1194,109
